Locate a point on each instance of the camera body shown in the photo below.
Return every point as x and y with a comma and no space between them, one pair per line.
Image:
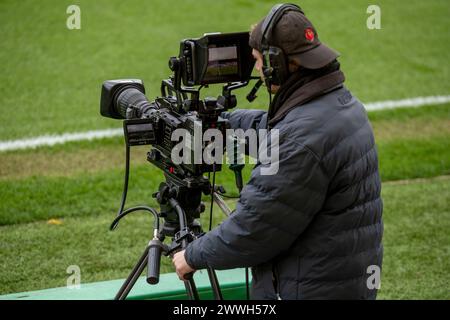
153,123
207,60
211,59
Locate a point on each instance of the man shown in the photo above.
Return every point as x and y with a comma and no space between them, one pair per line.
313,230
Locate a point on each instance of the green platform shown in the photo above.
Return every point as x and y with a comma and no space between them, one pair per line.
232,284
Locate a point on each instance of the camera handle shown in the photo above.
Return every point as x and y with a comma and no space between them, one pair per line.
152,258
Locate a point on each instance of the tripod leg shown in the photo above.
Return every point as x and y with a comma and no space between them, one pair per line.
191,289
246,284
214,284
221,203
132,278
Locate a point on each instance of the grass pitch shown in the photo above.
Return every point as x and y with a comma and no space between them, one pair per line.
50,83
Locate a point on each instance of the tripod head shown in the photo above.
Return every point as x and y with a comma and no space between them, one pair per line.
187,192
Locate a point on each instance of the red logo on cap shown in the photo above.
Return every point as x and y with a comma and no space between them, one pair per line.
309,34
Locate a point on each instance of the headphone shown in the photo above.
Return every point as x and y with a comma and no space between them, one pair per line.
275,63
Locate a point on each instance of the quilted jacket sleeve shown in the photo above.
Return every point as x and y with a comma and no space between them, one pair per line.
272,212
245,119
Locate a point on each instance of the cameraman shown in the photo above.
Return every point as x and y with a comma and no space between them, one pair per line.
312,230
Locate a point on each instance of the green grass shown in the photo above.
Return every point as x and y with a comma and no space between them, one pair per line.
50,83
36,255
409,158
416,241
81,184
48,249
83,179
51,76
41,198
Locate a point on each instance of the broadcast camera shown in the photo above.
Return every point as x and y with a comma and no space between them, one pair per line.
211,59
216,58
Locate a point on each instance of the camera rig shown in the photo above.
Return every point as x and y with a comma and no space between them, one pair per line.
211,59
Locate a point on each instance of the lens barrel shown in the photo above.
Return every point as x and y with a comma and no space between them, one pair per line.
118,96
131,97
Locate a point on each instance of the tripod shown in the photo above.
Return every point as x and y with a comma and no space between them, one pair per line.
180,203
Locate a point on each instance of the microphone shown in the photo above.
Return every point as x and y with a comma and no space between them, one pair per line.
252,94
236,160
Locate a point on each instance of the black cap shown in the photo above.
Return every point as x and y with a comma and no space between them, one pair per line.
297,37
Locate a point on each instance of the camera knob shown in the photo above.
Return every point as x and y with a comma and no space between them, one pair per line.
210,103
153,155
174,63
201,208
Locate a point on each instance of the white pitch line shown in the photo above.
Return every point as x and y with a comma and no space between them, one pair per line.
407,103
50,140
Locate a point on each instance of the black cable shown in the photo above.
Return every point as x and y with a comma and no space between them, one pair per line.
227,196
180,213
121,213
137,208
126,178
270,98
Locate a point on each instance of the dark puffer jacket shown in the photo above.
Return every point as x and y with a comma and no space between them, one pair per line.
312,230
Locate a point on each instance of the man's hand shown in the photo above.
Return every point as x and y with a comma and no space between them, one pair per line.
181,266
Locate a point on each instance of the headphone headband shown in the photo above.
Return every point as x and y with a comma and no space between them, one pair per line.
275,66
272,19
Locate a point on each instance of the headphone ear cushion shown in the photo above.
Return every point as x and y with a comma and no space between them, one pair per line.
278,66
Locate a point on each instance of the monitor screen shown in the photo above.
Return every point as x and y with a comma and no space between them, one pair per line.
223,63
